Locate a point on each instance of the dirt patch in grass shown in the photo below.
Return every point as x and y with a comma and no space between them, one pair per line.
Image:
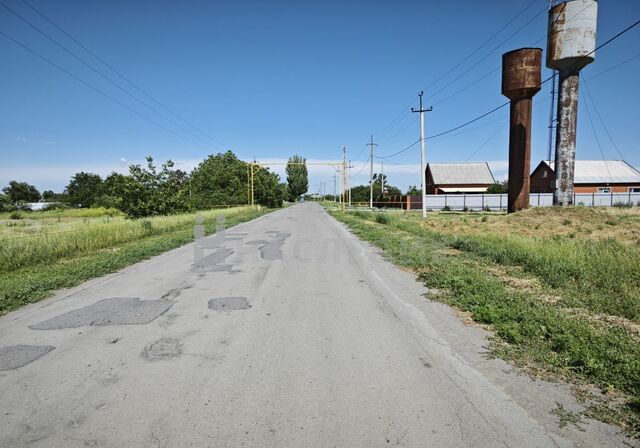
596,223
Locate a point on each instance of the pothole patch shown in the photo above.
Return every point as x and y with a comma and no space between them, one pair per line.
164,348
20,355
117,311
229,304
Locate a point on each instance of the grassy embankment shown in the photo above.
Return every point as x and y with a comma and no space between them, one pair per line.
46,251
559,287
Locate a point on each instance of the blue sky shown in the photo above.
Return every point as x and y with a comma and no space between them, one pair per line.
273,78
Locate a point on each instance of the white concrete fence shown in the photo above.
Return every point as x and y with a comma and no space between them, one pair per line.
499,201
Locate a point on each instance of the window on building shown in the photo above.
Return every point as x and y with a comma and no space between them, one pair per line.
545,174
604,190
634,189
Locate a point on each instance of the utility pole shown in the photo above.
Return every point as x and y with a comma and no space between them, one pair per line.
335,187
252,183
421,111
382,178
371,174
344,175
551,116
349,166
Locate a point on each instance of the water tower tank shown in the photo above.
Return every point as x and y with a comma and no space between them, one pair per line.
572,34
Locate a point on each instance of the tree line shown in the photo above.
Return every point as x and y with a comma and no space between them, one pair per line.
149,189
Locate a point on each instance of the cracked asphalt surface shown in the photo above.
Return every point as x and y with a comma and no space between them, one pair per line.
298,335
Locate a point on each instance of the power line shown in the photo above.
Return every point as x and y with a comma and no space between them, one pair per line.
488,54
102,75
468,86
595,134
401,131
440,134
473,53
402,151
498,67
101,92
403,114
604,126
542,83
110,67
626,61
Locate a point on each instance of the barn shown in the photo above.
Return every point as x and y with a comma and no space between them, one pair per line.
457,178
591,176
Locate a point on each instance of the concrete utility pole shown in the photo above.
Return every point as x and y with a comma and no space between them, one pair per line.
335,187
344,175
552,117
371,174
252,184
349,166
422,110
382,178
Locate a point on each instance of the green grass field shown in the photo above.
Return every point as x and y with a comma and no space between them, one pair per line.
560,288
45,251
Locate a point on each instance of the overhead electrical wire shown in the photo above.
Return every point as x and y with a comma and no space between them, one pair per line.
405,111
102,75
122,76
101,92
474,52
362,167
595,134
401,131
604,126
626,61
402,151
542,83
474,65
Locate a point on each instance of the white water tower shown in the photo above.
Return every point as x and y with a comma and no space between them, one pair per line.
571,46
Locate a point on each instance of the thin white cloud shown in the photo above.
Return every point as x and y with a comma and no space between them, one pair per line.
20,139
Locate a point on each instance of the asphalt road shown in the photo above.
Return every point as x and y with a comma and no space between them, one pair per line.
289,332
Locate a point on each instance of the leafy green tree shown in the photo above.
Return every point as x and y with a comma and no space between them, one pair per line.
146,191
361,193
5,203
377,187
414,191
268,189
223,179
22,192
83,189
220,179
498,187
297,177
51,196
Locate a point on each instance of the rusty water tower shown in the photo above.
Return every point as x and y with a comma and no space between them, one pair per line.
571,46
521,72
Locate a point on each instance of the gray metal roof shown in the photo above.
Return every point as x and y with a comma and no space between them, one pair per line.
461,173
603,171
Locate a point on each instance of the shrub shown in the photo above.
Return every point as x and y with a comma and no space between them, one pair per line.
446,208
621,204
382,218
15,215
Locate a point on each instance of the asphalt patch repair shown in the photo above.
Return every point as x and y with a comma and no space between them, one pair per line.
229,304
117,311
20,355
163,348
271,250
